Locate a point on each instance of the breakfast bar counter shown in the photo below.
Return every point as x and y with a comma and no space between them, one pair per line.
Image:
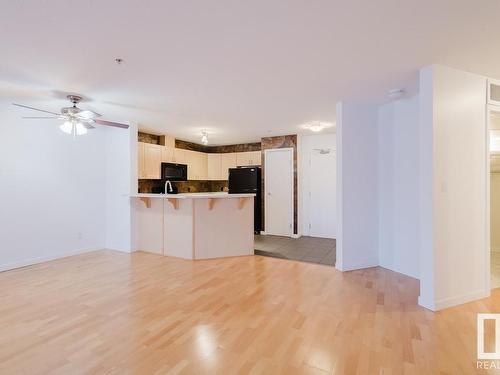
194,225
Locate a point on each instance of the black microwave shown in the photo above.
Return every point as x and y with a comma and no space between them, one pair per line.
174,172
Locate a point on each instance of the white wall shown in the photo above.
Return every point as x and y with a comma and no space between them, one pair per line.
357,186
454,252
52,190
121,180
398,164
62,196
306,145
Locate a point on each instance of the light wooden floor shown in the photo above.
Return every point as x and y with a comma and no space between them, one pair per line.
112,313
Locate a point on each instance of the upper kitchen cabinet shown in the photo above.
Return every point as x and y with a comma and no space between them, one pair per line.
196,162
214,167
167,154
140,160
227,161
150,156
248,158
180,156
197,165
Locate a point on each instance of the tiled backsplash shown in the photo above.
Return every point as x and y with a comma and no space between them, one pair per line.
194,186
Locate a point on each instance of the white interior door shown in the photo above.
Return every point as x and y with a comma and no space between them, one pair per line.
322,193
278,182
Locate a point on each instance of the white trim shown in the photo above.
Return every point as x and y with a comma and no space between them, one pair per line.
358,266
296,235
266,152
338,130
32,261
487,271
300,230
459,300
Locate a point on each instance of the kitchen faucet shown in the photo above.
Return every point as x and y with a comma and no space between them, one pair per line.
168,187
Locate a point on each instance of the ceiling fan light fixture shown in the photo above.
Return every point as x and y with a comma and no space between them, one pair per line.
80,129
76,120
67,127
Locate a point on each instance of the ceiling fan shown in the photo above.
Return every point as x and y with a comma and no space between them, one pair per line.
76,120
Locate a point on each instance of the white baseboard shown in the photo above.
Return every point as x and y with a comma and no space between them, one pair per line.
453,301
263,233
429,305
31,261
358,266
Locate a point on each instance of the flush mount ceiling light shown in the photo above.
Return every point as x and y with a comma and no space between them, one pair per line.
204,137
317,126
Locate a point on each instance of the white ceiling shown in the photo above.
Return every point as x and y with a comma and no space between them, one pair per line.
241,70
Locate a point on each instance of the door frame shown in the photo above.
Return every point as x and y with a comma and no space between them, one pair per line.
490,109
333,151
292,211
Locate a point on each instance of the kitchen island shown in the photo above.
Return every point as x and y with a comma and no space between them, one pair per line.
194,225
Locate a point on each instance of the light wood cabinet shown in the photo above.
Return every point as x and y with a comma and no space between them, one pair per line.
196,162
197,165
140,160
214,167
181,156
227,161
167,154
150,156
201,166
248,158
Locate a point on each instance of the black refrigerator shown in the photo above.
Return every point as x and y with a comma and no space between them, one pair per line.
248,180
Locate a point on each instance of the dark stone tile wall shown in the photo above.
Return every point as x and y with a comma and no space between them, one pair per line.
148,138
179,143
190,146
243,147
285,141
202,186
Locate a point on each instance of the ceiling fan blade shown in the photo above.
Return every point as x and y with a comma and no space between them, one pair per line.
41,117
109,123
36,109
86,115
88,126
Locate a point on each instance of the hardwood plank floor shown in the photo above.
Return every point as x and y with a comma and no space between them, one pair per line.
113,313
